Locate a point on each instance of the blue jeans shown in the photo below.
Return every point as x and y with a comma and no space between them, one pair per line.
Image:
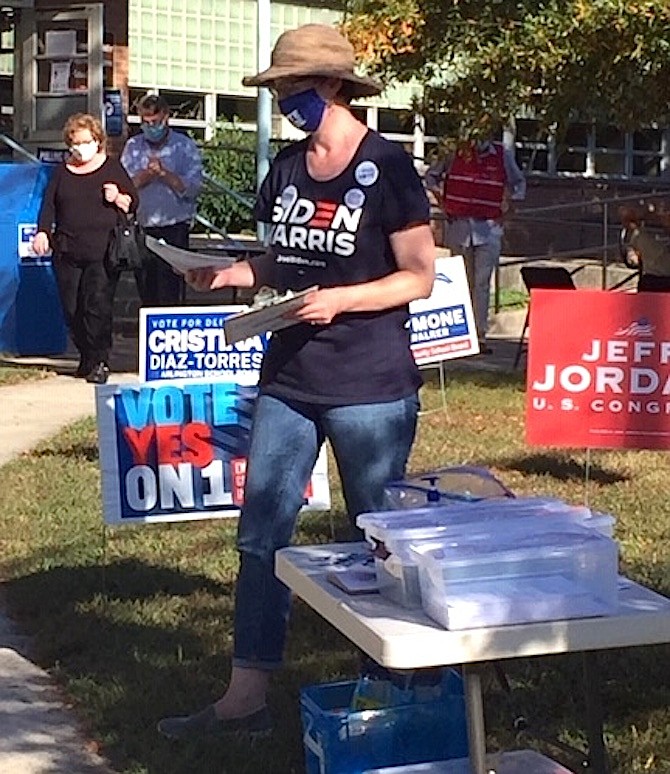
371,444
480,263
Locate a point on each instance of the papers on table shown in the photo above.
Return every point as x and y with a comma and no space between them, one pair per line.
355,580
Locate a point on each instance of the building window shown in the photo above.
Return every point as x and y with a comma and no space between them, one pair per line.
361,113
573,150
648,151
187,111
395,121
591,150
242,109
532,146
135,94
184,106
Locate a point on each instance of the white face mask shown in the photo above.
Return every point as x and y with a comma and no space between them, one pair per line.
85,151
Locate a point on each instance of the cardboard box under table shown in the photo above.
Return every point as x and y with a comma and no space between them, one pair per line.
399,638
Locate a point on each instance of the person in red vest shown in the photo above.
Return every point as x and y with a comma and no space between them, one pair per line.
475,186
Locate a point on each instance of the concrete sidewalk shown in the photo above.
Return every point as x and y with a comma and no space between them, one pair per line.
38,733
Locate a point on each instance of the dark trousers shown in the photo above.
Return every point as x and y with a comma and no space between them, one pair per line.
87,296
157,283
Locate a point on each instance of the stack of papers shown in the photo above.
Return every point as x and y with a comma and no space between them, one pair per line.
358,579
184,260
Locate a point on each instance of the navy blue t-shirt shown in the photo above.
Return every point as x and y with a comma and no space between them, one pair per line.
336,233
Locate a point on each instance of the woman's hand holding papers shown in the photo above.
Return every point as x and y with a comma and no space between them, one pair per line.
321,306
200,279
239,275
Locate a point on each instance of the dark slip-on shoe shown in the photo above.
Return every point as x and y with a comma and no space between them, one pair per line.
206,723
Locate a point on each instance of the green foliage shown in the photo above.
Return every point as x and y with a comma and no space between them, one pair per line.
486,61
509,298
230,158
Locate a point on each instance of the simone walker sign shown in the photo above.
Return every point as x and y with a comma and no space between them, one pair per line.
442,326
189,343
176,451
599,370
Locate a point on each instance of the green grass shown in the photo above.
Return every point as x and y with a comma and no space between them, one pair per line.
17,374
140,625
509,298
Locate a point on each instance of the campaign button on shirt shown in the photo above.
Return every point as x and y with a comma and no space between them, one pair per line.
366,173
354,198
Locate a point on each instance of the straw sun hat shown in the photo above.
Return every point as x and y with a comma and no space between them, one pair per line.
315,49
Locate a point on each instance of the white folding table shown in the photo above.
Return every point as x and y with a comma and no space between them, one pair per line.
398,638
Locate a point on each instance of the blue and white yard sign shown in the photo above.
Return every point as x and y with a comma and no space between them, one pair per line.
176,451
27,255
442,327
174,447
189,343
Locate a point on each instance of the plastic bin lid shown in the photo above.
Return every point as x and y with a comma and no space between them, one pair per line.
408,519
400,521
398,540
495,505
509,546
412,495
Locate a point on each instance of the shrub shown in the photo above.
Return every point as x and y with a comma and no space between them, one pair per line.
230,158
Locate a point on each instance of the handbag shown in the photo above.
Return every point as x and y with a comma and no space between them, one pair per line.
126,248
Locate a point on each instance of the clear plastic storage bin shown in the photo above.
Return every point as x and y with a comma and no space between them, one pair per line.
392,532
518,578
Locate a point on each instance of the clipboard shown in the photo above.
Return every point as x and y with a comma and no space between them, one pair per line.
263,319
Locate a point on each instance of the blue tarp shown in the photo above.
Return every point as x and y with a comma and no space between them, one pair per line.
31,319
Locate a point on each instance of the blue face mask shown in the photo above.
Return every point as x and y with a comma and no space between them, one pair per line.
304,110
154,132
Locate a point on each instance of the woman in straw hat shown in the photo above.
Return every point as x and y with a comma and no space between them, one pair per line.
348,214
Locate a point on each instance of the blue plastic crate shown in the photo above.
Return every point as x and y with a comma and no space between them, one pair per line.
339,740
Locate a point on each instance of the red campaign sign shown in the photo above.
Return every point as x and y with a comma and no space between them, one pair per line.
238,467
598,370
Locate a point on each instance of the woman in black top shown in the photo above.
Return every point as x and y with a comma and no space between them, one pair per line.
349,215
78,214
